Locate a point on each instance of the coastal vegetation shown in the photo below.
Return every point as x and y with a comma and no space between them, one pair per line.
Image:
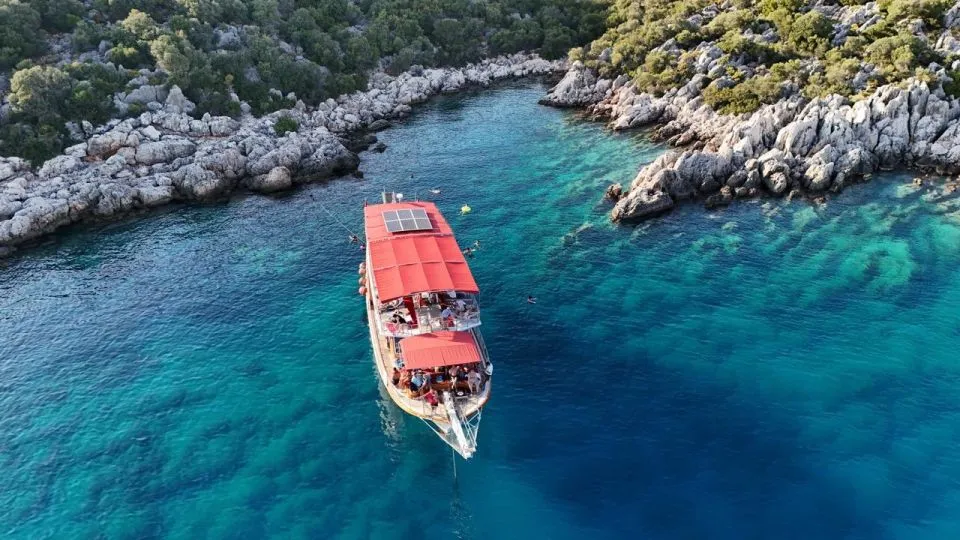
67,61
769,44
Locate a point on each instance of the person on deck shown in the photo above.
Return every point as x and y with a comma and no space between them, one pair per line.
400,320
473,380
417,382
431,398
447,315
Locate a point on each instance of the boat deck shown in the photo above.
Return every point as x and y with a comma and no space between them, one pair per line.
428,318
468,403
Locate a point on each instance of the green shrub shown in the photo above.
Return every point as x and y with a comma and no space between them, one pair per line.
285,124
36,144
837,78
745,97
898,56
810,33
735,44
20,35
952,87
930,11
58,15
736,20
662,71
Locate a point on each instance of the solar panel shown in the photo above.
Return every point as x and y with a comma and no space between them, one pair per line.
414,219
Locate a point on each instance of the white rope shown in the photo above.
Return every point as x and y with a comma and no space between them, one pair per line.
333,217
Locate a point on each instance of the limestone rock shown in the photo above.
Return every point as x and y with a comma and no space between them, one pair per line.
59,165
145,94
165,150
176,102
195,182
278,179
115,199
151,196
576,89
639,204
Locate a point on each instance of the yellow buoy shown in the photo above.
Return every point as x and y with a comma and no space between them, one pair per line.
465,209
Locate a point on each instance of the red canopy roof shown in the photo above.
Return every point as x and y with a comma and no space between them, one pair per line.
439,349
405,263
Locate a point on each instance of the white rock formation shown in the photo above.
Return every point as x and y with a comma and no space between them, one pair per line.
794,144
165,155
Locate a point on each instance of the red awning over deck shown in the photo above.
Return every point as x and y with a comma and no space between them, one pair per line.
439,349
410,262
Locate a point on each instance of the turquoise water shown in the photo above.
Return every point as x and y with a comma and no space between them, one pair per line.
770,370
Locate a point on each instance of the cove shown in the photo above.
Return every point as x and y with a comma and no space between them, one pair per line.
769,370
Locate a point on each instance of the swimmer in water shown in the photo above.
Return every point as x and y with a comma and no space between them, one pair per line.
435,191
476,244
531,299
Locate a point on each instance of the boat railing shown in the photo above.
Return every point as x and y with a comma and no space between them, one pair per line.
427,324
483,347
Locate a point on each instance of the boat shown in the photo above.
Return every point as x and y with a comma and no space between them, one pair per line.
423,312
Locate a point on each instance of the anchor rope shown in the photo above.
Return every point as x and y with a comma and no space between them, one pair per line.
334,218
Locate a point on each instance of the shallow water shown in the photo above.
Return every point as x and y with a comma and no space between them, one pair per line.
770,370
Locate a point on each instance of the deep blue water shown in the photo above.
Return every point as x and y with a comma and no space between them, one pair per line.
770,370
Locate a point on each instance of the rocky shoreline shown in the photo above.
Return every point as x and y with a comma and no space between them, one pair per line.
792,147
166,155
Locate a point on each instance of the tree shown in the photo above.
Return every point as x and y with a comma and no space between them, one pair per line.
33,143
40,92
810,33
557,41
458,40
361,54
20,35
140,25
58,15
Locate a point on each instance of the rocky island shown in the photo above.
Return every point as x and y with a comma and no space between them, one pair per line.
111,107
773,97
165,154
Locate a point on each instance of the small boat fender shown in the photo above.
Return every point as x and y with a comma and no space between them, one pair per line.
362,291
